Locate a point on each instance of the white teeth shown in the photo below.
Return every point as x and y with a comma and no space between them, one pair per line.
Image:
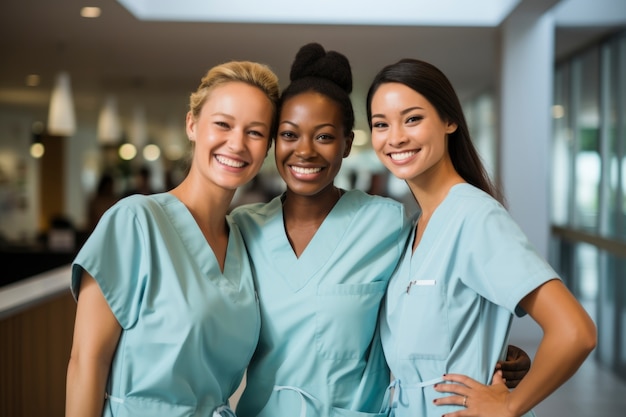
402,155
229,162
301,170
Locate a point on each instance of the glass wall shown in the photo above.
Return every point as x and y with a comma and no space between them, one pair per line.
589,188
481,120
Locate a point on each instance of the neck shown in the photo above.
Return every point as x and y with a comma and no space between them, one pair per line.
303,215
309,209
208,205
430,190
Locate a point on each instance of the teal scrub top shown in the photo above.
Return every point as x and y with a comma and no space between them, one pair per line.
319,351
450,304
189,330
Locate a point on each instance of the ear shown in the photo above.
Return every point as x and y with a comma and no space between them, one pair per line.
451,127
190,126
349,140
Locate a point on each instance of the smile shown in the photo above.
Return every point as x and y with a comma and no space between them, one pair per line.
400,156
229,162
305,171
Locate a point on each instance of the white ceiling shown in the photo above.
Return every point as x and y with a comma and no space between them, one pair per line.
361,12
158,63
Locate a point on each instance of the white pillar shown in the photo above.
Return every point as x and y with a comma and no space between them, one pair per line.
526,95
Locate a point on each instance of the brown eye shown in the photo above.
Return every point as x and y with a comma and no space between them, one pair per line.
414,119
287,136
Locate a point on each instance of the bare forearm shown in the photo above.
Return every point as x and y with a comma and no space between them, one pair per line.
85,389
569,337
559,356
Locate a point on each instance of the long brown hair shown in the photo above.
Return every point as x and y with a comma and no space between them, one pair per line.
430,82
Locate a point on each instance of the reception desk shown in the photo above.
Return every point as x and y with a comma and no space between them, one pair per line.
36,325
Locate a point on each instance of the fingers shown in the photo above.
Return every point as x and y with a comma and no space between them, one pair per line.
461,379
498,378
460,400
512,352
512,383
513,378
476,398
516,360
460,389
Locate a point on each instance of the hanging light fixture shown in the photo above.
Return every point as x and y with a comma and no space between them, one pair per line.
175,142
61,116
109,126
139,128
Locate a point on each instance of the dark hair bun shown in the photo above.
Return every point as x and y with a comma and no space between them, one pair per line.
312,60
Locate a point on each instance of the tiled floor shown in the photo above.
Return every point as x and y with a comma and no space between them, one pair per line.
592,392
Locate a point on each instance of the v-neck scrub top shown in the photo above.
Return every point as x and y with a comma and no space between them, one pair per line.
319,351
450,304
189,330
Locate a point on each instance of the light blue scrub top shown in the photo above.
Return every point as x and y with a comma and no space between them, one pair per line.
189,330
450,304
319,351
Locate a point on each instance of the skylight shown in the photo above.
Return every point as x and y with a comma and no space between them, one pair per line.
341,12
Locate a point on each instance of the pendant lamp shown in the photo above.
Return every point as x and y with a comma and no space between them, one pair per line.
61,116
139,128
109,126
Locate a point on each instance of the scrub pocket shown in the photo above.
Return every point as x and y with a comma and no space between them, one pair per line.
424,322
345,318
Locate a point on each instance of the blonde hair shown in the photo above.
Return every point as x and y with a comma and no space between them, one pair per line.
252,73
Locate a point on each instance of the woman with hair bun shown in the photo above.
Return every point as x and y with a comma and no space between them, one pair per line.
322,258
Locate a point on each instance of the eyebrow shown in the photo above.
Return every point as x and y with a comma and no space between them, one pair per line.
228,116
403,112
316,127
223,115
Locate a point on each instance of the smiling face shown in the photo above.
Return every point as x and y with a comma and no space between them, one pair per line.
408,135
231,134
310,143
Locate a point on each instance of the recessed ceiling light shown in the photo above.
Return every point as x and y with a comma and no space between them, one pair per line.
91,12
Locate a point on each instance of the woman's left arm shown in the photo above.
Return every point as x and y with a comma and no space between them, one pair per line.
569,335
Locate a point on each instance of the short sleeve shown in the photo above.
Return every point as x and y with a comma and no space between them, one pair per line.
115,255
503,266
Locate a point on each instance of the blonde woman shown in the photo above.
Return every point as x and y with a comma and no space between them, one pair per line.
167,315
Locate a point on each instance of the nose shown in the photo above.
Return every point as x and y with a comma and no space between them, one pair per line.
305,148
236,141
396,136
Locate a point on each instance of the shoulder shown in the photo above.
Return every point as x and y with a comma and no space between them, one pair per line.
140,203
483,216
376,215
368,202
474,202
136,210
256,210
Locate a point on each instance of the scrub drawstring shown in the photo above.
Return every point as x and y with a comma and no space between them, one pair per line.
113,399
398,391
387,406
224,411
303,396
